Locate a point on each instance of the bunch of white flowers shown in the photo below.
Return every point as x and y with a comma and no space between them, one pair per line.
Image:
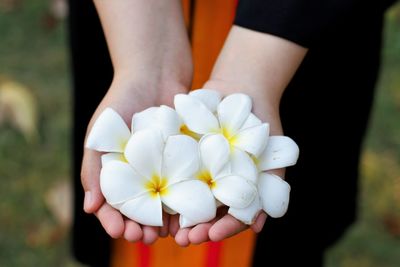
206,153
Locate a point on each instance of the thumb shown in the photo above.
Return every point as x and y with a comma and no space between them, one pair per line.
90,178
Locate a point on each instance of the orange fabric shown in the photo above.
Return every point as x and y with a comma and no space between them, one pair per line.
212,21
211,24
235,251
238,250
186,11
124,254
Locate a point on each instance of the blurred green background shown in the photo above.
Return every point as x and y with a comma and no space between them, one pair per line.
35,146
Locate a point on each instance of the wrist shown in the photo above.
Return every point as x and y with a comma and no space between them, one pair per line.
155,90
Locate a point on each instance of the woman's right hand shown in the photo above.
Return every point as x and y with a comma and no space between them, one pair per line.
126,97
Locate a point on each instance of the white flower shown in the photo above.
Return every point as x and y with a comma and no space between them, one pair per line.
233,119
161,118
210,98
226,180
158,174
280,152
111,134
157,166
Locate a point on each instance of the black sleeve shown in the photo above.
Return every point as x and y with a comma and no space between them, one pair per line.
300,21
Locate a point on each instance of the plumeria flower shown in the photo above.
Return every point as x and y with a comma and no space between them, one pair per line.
233,119
158,174
226,180
166,119
111,134
273,191
163,118
210,98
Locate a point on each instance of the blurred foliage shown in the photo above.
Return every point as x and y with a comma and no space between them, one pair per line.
33,53
18,108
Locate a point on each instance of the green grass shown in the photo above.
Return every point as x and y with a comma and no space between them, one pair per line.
30,235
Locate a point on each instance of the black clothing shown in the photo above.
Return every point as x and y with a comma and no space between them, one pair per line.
324,109
92,75
304,22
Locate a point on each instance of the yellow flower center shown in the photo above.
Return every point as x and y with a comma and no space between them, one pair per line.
255,159
122,144
229,135
157,186
122,158
206,177
185,130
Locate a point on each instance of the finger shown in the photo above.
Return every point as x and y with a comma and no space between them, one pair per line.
164,230
173,225
90,174
182,237
111,220
258,225
226,227
150,234
133,232
199,233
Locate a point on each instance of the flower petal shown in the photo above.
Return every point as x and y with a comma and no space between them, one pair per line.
280,152
105,158
146,210
233,111
210,98
243,165
195,114
180,158
234,191
144,119
168,121
109,133
192,199
161,118
251,121
119,182
274,193
248,214
185,222
253,139
144,152
168,209
214,152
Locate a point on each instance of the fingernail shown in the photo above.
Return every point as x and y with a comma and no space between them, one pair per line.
87,201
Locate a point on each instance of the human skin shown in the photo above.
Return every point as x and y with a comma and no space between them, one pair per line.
260,65
152,62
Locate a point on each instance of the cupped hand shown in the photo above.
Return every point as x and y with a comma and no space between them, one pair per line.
225,225
126,97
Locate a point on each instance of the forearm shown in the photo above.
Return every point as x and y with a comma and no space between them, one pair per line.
260,65
147,39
